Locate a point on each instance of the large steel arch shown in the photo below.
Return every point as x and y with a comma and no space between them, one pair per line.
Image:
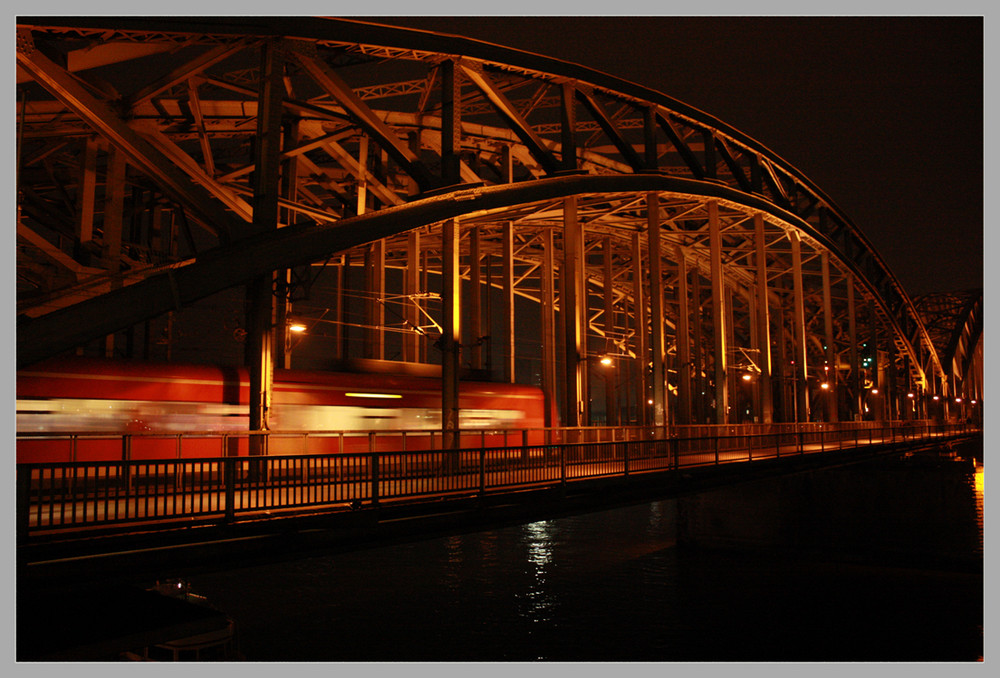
254,145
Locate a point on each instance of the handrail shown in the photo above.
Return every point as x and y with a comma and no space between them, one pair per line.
86,496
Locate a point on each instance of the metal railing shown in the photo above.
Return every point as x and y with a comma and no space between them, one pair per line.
88,495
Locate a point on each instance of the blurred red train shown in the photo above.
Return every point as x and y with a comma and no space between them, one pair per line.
99,400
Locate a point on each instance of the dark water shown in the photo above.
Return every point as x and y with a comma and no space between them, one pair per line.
625,585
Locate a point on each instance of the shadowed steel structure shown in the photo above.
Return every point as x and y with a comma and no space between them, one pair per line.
422,198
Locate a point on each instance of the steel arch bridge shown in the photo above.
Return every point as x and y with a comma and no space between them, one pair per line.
416,190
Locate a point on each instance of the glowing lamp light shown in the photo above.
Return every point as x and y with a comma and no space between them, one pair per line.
373,395
936,398
909,395
874,391
605,360
973,402
824,386
747,377
296,327
958,400
650,401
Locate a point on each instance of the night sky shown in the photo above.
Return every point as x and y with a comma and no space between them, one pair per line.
884,114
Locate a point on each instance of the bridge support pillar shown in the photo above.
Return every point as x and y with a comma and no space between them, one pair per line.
611,372
260,299
573,310
830,377
451,335
548,306
852,330
509,371
801,371
641,325
684,365
719,315
763,333
660,414
411,287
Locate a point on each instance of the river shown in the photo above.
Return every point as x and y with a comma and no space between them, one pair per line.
890,571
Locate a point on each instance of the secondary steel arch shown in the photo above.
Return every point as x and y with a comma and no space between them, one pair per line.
417,126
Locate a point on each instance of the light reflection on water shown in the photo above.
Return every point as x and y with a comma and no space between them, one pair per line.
979,486
540,603
606,586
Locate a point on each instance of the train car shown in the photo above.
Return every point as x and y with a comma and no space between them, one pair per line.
173,410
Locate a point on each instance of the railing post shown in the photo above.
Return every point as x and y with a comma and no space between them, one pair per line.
562,465
229,479
375,479
716,449
627,444
126,458
23,505
482,471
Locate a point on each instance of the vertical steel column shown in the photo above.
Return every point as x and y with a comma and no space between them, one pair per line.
697,361
374,310
779,367
114,214
799,323
852,330
451,123
425,271
283,309
683,415
573,311
266,189
451,326
568,125
474,314
832,378
719,330
610,373
732,376
508,302
340,328
362,185
651,152
86,193
763,324
548,307
641,327
876,365
506,165
114,206
411,287
891,391
656,309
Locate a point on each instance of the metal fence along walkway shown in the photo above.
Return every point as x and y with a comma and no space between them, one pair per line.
82,497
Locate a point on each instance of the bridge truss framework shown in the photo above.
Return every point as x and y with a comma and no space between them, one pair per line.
422,199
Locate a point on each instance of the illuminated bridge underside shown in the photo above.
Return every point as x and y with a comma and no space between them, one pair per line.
161,161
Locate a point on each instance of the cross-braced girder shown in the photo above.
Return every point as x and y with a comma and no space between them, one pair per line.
419,127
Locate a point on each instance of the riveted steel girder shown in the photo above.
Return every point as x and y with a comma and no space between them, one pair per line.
109,124
186,128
